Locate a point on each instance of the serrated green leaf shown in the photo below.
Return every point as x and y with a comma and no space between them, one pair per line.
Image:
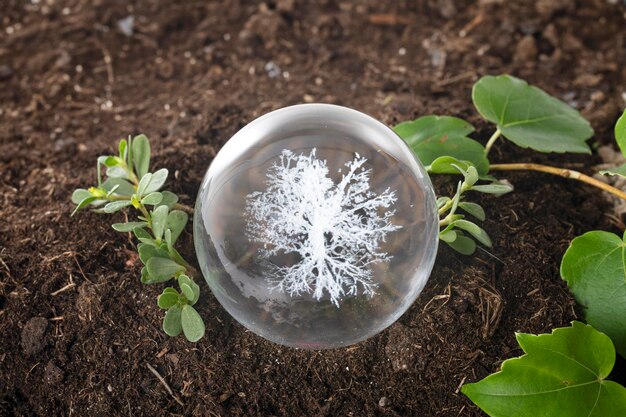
172,323
432,137
167,300
620,170
152,199
560,375
123,186
463,244
593,267
193,325
448,236
529,117
128,227
497,189
176,221
141,155
79,195
473,209
162,269
159,221
476,231
114,206
169,199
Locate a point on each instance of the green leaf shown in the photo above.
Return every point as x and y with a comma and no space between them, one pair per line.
448,236
162,269
529,117
123,186
185,280
172,323
593,267
147,251
167,300
620,133
117,172
497,189
122,148
141,233
129,226
109,161
620,170
143,184
79,195
152,199
159,221
561,375
193,326
84,203
114,206
462,244
473,209
141,154
431,137
157,181
169,199
447,165
441,201
474,230
176,221
470,175
187,291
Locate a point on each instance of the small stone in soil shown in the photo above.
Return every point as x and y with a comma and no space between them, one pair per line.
5,72
53,374
33,335
384,402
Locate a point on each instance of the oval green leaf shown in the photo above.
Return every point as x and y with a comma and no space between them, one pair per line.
462,244
167,300
159,221
193,325
593,267
176,221
529,117
162,269
141,154
561,375
114,206
172,323
432,137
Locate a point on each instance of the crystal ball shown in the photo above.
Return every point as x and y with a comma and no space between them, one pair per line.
316,226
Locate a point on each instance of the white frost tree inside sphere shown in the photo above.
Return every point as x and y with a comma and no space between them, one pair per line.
336,229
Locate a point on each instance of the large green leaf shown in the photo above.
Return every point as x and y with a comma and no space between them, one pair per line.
162,269
193,325
433,136
529,117
141,154
561,375
593,267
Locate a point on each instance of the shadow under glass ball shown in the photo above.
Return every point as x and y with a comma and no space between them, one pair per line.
315,226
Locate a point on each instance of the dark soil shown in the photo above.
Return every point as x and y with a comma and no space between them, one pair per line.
190,75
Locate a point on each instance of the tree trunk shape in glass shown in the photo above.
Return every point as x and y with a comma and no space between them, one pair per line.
316,226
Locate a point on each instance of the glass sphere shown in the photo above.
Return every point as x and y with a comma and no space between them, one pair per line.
316,226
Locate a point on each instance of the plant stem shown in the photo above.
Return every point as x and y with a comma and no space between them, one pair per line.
561,172
492,140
